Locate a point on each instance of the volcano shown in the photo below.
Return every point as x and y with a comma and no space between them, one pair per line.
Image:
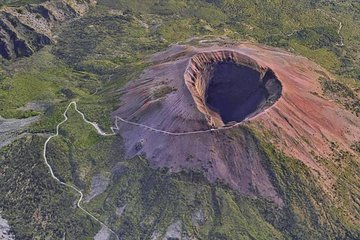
199,106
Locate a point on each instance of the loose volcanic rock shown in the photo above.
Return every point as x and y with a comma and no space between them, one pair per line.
199,98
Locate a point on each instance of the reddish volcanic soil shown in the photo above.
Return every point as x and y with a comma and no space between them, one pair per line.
189,89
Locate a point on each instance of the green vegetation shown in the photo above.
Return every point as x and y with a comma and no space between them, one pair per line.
152,199
97,54
310,213
356,147
80,152
155,199
297,25
162,92
36,206
342,94
43,79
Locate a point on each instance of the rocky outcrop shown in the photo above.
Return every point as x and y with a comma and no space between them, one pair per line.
5,233
12,129
188,133
25,30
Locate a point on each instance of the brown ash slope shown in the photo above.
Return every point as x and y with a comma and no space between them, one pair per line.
182,92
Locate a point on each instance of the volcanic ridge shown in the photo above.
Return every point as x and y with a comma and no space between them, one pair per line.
206,102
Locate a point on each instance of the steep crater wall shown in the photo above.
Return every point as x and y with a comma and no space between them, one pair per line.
228,87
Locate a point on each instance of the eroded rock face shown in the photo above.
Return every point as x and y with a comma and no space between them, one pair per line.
179,96
25,30
229,87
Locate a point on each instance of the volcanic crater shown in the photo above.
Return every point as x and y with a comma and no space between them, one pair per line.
202,105
228,87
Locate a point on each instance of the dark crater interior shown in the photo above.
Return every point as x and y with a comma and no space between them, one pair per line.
238,91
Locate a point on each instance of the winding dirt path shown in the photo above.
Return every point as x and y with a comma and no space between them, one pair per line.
185,133
102,133
341,43
69,185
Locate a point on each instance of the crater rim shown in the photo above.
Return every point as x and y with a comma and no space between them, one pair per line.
200,71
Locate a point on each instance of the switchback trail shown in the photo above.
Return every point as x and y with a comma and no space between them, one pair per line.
69,185
102,133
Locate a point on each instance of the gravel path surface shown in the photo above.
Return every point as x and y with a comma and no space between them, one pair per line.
75,188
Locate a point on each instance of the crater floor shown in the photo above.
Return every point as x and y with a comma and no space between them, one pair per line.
237,91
